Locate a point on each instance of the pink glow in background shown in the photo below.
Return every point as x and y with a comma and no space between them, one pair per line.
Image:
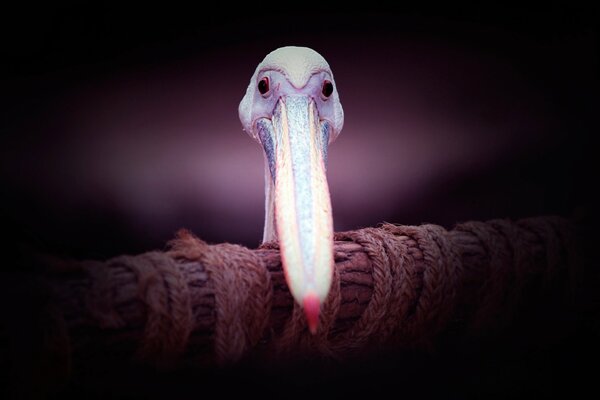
435,131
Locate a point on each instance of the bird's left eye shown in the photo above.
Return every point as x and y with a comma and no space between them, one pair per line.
327,88
263,85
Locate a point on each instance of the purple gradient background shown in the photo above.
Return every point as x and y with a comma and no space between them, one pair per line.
119,131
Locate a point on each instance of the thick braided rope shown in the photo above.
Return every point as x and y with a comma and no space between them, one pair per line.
436,280
493,291
169,322
405,295
574,254
243,292
512,264
164,291
295,335
522,260
99,299
557,234
366,328
450,273
417,276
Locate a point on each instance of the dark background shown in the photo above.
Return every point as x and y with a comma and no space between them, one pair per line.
119,125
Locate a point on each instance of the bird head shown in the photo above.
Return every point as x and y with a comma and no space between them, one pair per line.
292,108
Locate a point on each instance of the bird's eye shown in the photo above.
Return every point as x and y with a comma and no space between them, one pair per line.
263,85
327,88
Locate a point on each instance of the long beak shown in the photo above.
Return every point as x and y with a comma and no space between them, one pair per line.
295,143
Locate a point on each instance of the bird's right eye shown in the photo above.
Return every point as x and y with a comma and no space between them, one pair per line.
263,85
327,89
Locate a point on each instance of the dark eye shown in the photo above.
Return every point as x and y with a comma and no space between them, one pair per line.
263,85
327,88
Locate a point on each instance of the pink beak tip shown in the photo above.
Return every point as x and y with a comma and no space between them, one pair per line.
312,307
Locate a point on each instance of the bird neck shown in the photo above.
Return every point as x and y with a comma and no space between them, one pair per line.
269,233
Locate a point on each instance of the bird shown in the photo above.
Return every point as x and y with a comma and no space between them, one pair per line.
292,109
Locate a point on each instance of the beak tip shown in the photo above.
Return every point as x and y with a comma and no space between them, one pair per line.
312,307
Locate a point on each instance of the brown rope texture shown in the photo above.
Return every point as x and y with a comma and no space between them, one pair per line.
420,281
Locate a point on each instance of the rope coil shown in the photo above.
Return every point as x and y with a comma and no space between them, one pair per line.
243,292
